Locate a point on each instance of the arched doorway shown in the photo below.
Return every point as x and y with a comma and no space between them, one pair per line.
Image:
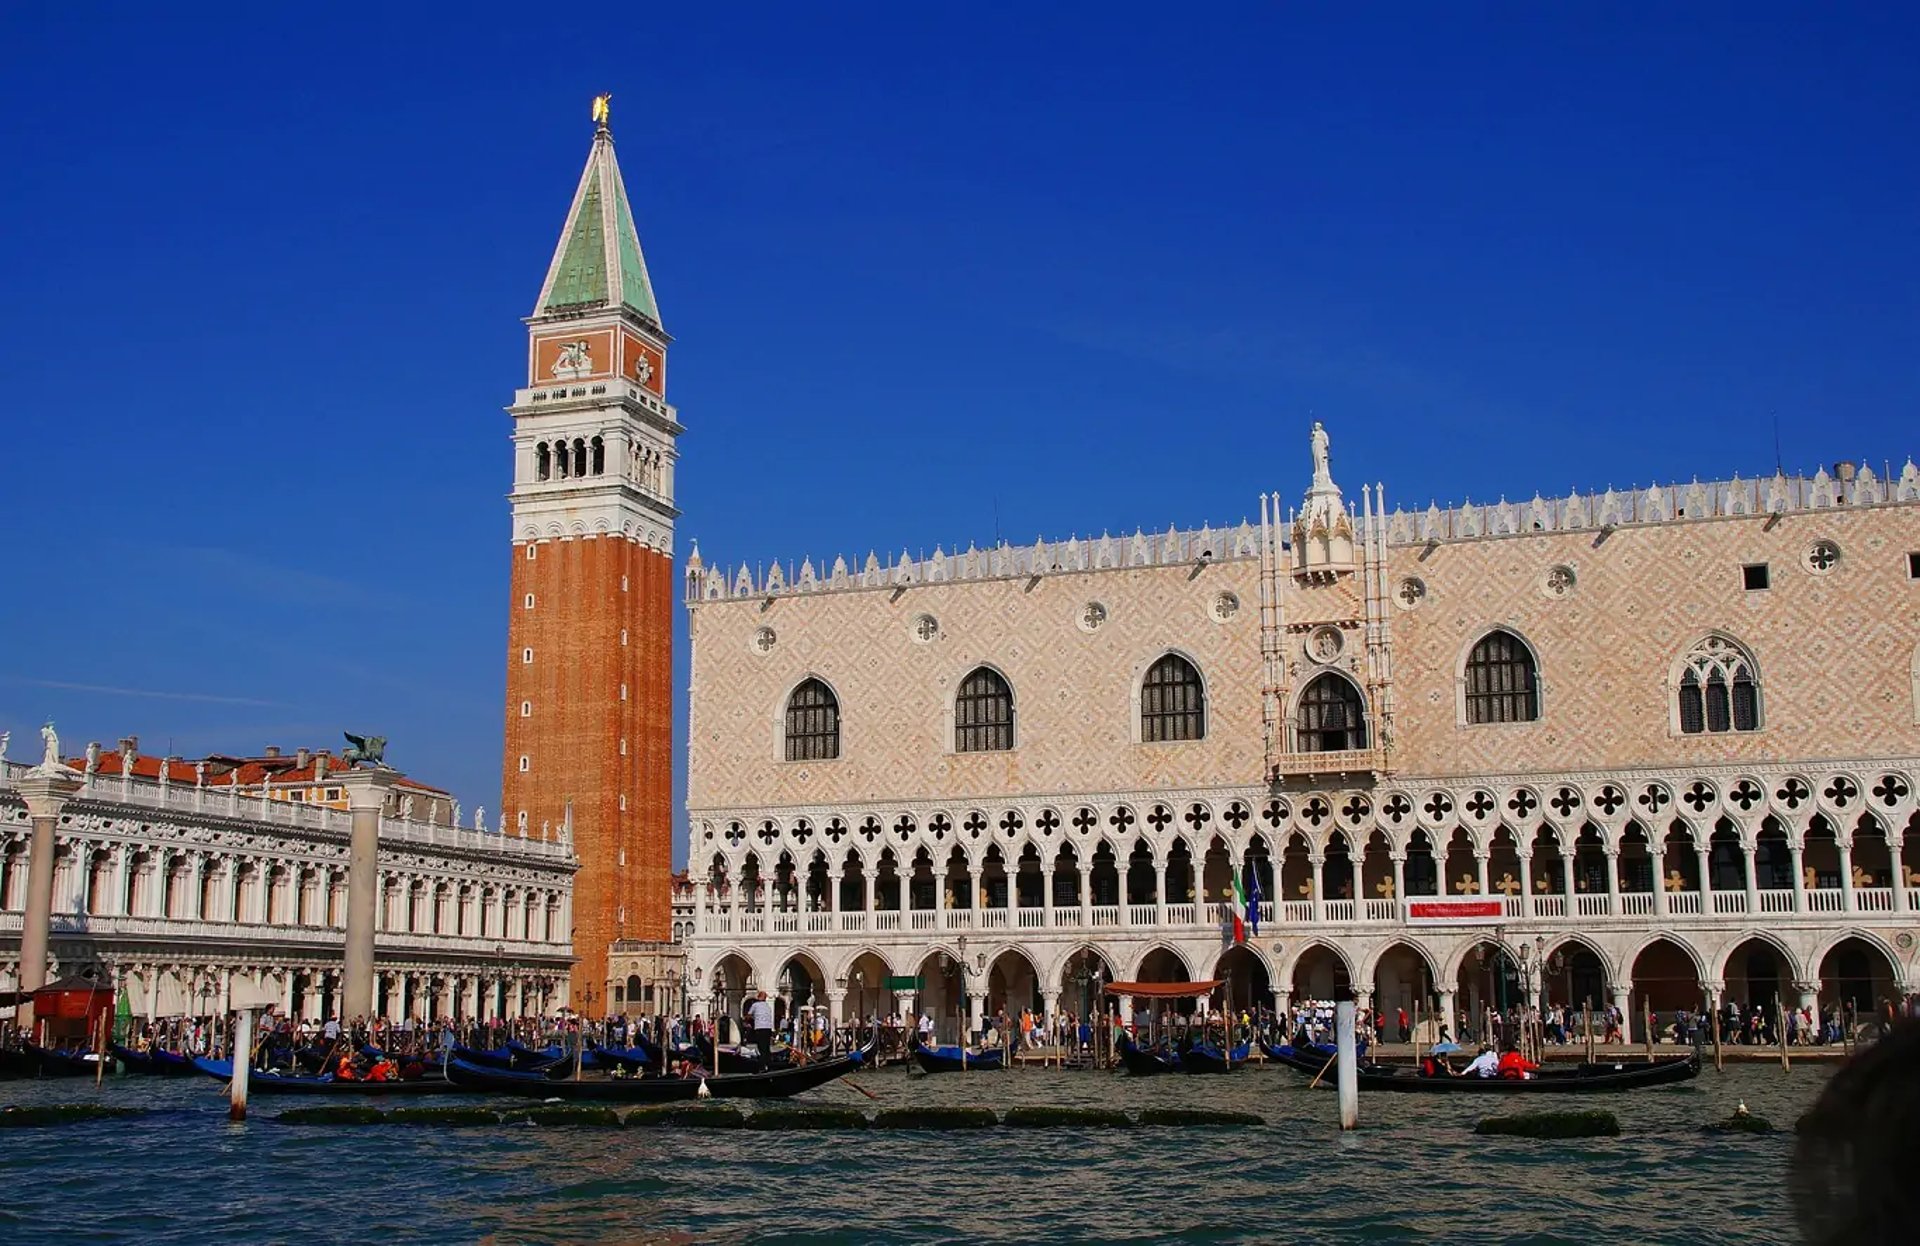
1575,977
728,992
1856,976
1320,974
1666,981
1082,978
1759,978
1012,984
943,995
869,997
1244,975
1403,983
1489,980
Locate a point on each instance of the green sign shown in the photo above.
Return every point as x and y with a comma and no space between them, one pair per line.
905,984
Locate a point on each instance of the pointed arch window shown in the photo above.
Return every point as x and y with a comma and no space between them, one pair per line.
1173,702
983,713
1332,717
1719,689
542,462
1502,682
813,723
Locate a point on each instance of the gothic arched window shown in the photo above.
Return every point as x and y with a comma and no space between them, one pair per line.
579,456
983,713
1332,717
542,461
599,457
1173,702
813,723
1719,688
1502,684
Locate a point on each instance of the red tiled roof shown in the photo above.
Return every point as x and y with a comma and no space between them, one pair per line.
246,771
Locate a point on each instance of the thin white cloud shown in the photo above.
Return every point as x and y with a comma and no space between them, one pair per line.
154,694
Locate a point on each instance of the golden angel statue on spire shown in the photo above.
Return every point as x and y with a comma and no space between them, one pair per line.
601,109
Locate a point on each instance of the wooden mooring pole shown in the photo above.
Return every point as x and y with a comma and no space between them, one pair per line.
240,1055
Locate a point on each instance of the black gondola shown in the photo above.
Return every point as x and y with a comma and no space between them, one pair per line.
956,1059
549,1084
1207,1058
1575,1079
64,1063
269,1082
1145,1062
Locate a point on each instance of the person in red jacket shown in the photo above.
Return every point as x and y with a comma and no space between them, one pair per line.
1516,1066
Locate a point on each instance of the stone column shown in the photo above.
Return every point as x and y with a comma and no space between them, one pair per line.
870,879
1359,909
1046,896
1797,851
1481,861
1526,885
976,1011
1399,860
1623,1000
1705,866
1613,880
836,1007
1050,1008
46,793
1749,852
1895,843
1086,895
699,906
1447,1015
939,899
1160,892
366,793
833,895
1847,900
1659,880
1316,903
1809,993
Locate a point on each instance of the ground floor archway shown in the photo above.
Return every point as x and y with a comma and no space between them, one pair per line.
1244,980
1320,973
1857,977
1403,988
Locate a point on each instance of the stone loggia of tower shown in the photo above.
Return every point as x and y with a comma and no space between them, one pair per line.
589,663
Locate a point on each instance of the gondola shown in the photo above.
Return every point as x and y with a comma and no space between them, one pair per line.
1208,1058
958,1059
270,1082
1577,1079
739,1057
64,1063
136,1063
550,1084
172,1063
489,1058
1145,1062
525,1057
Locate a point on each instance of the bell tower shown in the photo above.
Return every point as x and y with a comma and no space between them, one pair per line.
589,713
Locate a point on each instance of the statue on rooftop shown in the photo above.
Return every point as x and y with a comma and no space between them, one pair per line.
370,750
1322,470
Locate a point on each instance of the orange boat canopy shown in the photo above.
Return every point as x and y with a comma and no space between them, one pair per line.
1164,990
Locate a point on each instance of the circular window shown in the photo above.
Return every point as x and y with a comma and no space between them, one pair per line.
1092,616
764,639
1822,557
1411,593
1558,581
926,628
1325,643
1224,607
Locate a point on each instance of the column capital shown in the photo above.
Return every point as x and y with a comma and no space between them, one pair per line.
1807,988
366,789
47,791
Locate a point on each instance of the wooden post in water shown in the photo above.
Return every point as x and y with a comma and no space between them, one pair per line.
241,1059
1586,1018
1780,1023
1649,1031
1348,1073
1719,1060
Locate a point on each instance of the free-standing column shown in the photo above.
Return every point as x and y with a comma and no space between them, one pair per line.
1526,884
366,794
1895,845
1847,901
1399,860
1316,906
1613,880
46,793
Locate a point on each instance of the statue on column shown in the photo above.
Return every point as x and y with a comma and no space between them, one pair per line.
51,759
6,738
1322,471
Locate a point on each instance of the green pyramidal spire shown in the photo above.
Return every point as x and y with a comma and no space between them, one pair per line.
598,264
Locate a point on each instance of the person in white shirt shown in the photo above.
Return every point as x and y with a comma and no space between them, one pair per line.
1486,1064
760,1024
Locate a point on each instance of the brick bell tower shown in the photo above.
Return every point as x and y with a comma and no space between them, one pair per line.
589,722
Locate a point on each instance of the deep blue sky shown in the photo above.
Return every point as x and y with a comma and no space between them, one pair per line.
929,273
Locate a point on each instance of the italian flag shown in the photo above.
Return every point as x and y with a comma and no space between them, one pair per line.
1239,909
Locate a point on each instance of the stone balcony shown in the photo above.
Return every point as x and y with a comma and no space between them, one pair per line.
1370,762
1583,909
322,941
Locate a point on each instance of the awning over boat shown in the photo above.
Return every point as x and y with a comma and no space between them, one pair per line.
1164,990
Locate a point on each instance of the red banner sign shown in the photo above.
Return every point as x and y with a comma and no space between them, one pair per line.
1431,910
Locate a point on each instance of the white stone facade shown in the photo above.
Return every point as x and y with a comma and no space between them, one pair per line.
1672,826
180,892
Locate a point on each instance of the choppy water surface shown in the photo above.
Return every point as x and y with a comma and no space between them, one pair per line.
1414,1170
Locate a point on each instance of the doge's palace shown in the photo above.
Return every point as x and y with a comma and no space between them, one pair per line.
1645,748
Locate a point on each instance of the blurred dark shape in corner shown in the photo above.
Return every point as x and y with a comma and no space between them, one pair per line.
1852,1173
